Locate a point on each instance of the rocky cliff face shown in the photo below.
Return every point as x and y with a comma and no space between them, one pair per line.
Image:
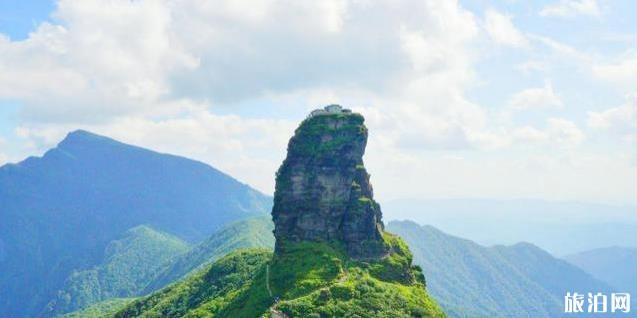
322,188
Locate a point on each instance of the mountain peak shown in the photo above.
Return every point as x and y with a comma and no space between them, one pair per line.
323,193
81,133
71,202
83,137
332,257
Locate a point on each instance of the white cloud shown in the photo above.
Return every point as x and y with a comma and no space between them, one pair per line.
564,132
557,133
555,175
138,72
226,82
529,135
104,59
622,73
536,98
502,31
431,110
570,8
619,71
532,66
621,120
3,157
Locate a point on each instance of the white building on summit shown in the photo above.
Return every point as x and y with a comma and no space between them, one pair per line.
329,109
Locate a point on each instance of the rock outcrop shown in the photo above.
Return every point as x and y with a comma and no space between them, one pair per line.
332,256
323,191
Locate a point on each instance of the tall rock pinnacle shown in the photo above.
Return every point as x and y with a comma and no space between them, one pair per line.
322,188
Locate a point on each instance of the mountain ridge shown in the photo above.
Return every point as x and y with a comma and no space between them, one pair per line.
616,265
129,263
47,232
560,227
248,233
520,280
488,303
332,256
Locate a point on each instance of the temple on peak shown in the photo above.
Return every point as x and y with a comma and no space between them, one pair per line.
330,109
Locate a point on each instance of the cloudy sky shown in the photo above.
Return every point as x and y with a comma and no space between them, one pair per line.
473,98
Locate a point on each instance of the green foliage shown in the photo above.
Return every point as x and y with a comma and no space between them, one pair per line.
361,295
313,130
309,279
248,233
397,266
205,293
102,309
305,266
130,263
301,269
318,280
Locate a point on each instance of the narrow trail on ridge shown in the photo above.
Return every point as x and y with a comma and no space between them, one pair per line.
267,279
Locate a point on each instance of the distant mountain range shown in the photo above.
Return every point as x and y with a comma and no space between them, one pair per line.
60,211
470,280
615,265
144,220
559,227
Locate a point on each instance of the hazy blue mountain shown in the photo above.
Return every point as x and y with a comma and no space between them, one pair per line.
249,233
130,263
614,265
59,211
470,280
558,227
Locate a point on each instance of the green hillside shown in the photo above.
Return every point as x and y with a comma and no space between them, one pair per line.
129,264
146,260
102,309
253,232
470,280
467,279
59,212
309,280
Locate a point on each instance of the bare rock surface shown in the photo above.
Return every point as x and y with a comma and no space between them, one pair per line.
323,191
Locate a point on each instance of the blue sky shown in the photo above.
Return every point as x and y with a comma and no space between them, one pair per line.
18,18
508,99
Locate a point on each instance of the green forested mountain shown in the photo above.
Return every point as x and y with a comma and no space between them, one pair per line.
61,210
210,287
103,309
130,263
114,243
332,257
470,280
253,232
146,260
314,280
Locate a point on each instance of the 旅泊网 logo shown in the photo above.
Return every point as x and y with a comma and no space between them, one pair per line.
597,303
